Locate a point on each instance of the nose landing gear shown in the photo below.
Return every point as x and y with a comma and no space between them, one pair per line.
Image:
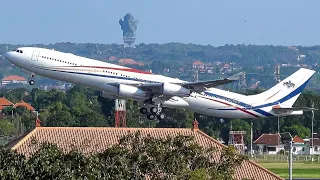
31,82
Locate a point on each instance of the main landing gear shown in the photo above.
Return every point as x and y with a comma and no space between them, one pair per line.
31,81
153,113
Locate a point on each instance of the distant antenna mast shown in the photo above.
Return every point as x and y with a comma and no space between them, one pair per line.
277,73
277,78
196,75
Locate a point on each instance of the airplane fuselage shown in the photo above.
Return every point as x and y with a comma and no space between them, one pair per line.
97,74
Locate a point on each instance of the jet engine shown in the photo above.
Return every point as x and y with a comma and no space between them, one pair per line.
169,89
131,92
122,91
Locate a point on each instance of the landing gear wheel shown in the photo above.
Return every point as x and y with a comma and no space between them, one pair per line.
31,82
161,116
151,116
143,110
153,110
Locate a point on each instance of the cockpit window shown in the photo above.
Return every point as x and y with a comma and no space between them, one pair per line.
19,51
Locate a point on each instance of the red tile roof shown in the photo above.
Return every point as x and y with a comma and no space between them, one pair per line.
93,139
112,58
5,102
298,139
24,104
127,61
130,61
14,78
268,139
197,63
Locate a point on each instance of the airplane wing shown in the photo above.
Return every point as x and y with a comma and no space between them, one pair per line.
157,88
196,86
202,85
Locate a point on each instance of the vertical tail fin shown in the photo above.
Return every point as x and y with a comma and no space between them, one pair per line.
287,91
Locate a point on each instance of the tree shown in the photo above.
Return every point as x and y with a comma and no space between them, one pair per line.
6,128
134,157
59,115
298,130
177,118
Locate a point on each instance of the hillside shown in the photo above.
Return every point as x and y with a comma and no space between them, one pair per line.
175,59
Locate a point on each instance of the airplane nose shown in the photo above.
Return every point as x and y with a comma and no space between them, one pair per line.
7,55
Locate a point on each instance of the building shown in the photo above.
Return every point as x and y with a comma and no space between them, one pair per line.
4,103
129,62
271,144
97,139
313,146
112,58
198,65
12,79
24,104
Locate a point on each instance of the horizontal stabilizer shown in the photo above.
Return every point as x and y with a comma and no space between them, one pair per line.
286,110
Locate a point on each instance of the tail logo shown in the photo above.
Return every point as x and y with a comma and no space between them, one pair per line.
289,84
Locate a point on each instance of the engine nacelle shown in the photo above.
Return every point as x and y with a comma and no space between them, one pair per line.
131,92
169,89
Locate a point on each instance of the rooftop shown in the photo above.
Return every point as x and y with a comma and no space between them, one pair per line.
96,139
197,63
5,102
269,139
24,104
298,139
274,139
14,78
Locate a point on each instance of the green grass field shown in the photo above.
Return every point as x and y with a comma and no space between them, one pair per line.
299,170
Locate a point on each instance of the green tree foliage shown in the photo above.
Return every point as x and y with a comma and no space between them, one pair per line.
15,95
299,130
84,107
177,118
135,157
6,128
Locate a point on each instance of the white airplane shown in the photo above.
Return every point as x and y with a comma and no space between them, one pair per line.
156,91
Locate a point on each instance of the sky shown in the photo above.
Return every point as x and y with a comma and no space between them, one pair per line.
268,22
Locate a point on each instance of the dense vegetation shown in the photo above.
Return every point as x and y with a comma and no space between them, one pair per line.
134,157
84,107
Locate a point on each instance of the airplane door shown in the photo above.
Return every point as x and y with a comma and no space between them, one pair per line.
35,56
